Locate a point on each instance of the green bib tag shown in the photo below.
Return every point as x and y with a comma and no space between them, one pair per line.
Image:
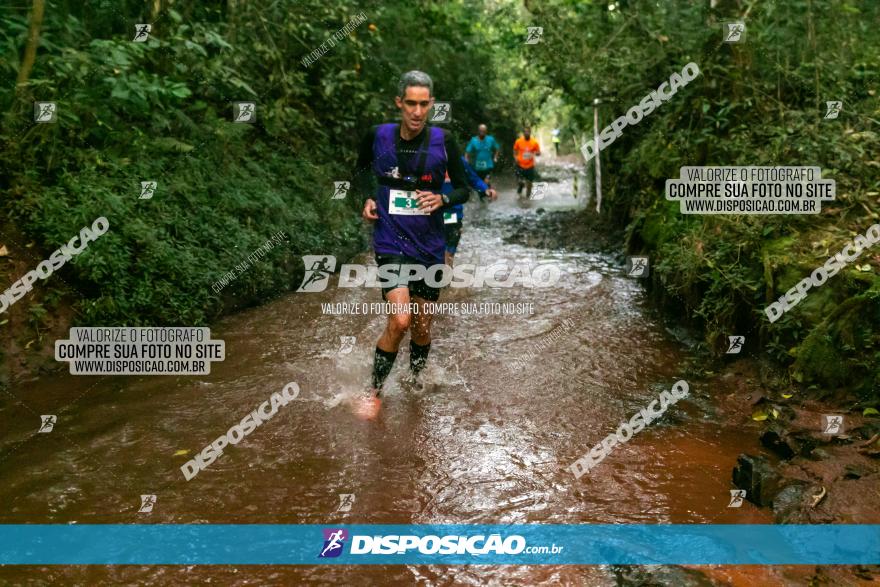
404,202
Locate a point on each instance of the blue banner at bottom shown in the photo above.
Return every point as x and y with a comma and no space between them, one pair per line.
452,544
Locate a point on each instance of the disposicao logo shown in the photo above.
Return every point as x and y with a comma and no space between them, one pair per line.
334,541
318,270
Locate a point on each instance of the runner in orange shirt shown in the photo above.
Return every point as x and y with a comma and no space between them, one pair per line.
525,149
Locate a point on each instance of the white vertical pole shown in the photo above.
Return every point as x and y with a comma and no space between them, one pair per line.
596,147
587,177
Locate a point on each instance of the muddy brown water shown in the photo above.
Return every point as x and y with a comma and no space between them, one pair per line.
479,444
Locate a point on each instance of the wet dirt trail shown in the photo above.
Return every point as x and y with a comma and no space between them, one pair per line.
481,443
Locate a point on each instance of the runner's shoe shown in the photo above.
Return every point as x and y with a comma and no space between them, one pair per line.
367,407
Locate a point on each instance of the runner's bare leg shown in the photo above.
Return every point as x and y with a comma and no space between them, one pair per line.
398,323
421,322
395,329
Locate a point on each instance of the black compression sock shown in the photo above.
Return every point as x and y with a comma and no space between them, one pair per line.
382,364
418,356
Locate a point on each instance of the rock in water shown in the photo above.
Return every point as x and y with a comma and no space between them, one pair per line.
755,475
789,506
776,440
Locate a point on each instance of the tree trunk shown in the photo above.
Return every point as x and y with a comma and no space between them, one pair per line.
231,20
30,50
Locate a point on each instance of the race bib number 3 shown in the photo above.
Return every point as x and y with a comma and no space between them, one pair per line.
404,202
482,165
527,155
450,217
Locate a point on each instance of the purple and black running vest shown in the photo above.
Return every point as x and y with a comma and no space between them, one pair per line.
417,236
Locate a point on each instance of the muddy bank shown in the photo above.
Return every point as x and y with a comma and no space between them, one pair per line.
583,231
566,230
29,328
821,464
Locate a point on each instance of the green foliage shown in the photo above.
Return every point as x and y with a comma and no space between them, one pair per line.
161,111
36,316
760,102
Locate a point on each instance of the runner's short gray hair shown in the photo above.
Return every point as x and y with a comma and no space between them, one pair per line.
415,78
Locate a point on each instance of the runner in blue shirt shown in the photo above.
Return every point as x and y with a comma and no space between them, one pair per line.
482,153
452,218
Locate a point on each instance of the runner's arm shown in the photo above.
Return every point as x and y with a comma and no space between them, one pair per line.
461,192
474,180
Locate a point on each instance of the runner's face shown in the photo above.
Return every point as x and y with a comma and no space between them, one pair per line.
414,107
527,133
482,131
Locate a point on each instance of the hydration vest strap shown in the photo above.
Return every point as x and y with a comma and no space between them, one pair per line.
422,151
